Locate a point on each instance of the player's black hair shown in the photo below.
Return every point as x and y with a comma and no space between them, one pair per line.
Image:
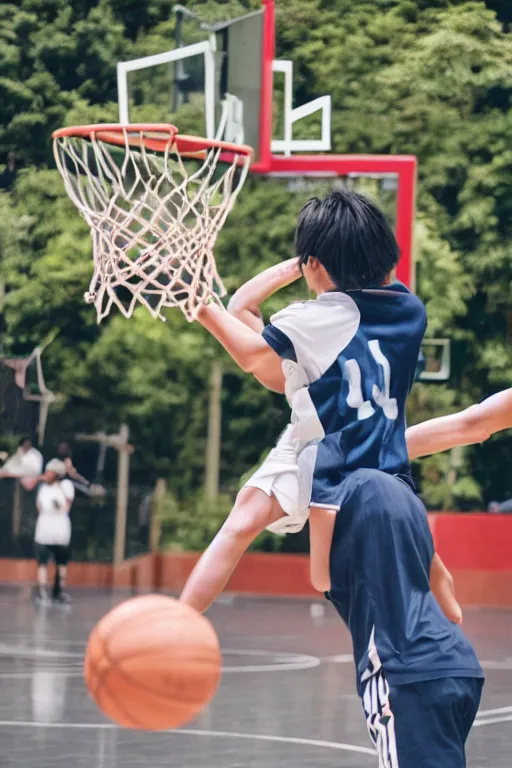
350,236
23,440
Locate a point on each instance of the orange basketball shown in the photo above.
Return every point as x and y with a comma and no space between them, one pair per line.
152,663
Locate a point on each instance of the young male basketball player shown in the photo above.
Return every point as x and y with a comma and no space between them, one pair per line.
278,496
349,362
53,530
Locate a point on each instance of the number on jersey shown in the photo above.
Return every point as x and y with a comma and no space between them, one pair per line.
381,397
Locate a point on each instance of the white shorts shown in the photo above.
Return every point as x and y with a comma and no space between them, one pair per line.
289,477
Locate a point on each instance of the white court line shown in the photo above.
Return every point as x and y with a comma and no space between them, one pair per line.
284,661
491,721
500,711
184,732
30,652
341,658
489,664
28,675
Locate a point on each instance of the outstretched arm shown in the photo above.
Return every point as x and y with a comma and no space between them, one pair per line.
73,472
474,425
245,303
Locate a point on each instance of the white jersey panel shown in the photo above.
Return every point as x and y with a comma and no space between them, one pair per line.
319,330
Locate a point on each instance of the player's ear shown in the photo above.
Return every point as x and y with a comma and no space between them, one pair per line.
313,263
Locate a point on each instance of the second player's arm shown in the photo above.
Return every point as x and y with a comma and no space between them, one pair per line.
321,529
474,425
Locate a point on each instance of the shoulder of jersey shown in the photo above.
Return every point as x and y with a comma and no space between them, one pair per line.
311,307
291,309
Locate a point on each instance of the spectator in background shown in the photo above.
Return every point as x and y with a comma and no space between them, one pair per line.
53,531
503,508
65,454
25,465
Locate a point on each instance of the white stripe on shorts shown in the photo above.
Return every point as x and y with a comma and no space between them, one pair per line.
380,719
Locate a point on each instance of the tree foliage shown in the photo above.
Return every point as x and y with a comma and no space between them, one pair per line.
427,77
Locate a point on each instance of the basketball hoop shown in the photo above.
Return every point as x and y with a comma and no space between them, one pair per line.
41,394
155,202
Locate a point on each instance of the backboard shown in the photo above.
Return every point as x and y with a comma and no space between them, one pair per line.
389,179
222,80
216,81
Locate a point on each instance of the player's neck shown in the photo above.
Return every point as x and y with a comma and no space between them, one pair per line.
324,285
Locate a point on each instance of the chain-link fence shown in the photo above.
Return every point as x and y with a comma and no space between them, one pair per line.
93,523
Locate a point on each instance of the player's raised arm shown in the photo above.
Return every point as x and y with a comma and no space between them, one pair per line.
247,347
473,425
245,303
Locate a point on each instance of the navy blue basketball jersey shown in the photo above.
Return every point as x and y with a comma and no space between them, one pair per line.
380,560
358,352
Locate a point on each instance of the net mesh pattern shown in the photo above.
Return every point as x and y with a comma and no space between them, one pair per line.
154,217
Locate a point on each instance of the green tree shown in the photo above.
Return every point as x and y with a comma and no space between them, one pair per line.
427,77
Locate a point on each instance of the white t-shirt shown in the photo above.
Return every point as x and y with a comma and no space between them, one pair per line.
24,464
53,524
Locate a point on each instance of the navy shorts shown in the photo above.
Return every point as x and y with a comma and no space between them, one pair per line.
421,725
60,554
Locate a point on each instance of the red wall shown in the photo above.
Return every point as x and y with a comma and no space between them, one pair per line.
79,574
478,551
476,548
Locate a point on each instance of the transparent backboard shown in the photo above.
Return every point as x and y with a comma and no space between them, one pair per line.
208,84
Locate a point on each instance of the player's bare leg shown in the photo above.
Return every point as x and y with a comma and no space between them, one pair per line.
253,511
59,592
41,596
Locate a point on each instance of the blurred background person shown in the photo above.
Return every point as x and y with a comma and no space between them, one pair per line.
65,454
24,465
53,531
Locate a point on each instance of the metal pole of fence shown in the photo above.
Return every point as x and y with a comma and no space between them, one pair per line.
123,475
16,510
213,439
155,525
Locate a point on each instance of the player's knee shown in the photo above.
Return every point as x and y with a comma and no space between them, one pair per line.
241,530
248,517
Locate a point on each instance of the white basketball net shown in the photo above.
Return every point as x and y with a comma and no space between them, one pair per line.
154,216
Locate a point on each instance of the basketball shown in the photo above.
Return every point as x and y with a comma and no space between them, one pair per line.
152,663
